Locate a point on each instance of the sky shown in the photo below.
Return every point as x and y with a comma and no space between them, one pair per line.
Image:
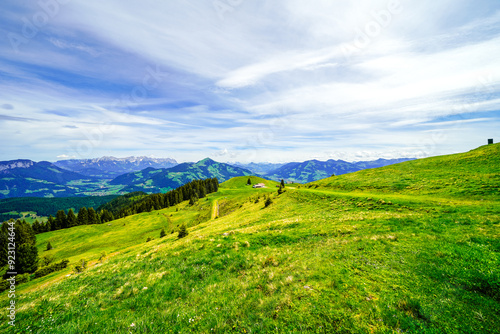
241,80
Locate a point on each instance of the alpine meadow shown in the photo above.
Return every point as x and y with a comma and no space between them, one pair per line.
251,167
412,247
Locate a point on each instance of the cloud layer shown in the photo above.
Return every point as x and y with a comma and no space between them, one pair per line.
245,80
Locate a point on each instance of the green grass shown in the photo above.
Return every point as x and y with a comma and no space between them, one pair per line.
474,174
319,260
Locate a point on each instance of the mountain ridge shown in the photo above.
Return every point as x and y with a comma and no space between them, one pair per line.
314,170
109,167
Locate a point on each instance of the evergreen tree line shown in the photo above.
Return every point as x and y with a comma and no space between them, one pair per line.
18,247
191,191
62,220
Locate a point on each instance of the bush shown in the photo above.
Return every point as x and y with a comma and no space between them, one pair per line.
102,256
268,202
22,278
162,233
149,239
46,260
182,231
50,269
80,267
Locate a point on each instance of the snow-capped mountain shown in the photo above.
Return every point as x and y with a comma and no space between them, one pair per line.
111,167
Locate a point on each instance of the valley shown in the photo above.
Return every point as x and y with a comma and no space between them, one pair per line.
412,247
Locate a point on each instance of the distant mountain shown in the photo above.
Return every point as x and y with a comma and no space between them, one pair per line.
26,178
258,168
313,170
162,180
111,167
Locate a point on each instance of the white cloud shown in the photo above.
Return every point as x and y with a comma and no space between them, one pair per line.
270,78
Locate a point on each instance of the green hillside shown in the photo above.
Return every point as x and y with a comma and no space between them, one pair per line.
472,174
313,170
349,254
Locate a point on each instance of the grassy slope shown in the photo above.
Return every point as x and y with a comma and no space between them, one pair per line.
316,260
472,174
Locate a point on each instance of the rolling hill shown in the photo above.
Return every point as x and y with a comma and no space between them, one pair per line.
162,180
313,170
353,253
474,174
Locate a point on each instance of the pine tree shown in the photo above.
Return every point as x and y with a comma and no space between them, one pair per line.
26,259
37,228
162,233
4,250
106,216
268,202
92,216
51,224
182,231
282,183
25,246
60,221
47,226
249,182
49,246
83,216
71,218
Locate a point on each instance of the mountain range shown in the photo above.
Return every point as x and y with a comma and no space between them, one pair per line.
109,175
111,167
162,180
314,170
21,178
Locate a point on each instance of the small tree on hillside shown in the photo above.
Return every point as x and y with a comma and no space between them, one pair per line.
282,185
268,202
49,246
162,233
249,182
182,231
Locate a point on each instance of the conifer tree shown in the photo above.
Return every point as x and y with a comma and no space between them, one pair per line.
49,246
249,182
71,218
47,226
268,201
25,246
26,259
162,233
60,220
182,231
282,183
4,250
83,216
92,216
51,225
37,228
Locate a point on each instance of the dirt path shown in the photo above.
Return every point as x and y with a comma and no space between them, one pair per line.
215,209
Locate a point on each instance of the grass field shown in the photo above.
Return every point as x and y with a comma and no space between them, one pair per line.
356,253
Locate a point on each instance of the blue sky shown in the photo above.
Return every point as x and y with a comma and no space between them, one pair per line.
241,80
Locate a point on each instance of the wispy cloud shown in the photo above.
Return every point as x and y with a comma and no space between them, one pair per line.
269,81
